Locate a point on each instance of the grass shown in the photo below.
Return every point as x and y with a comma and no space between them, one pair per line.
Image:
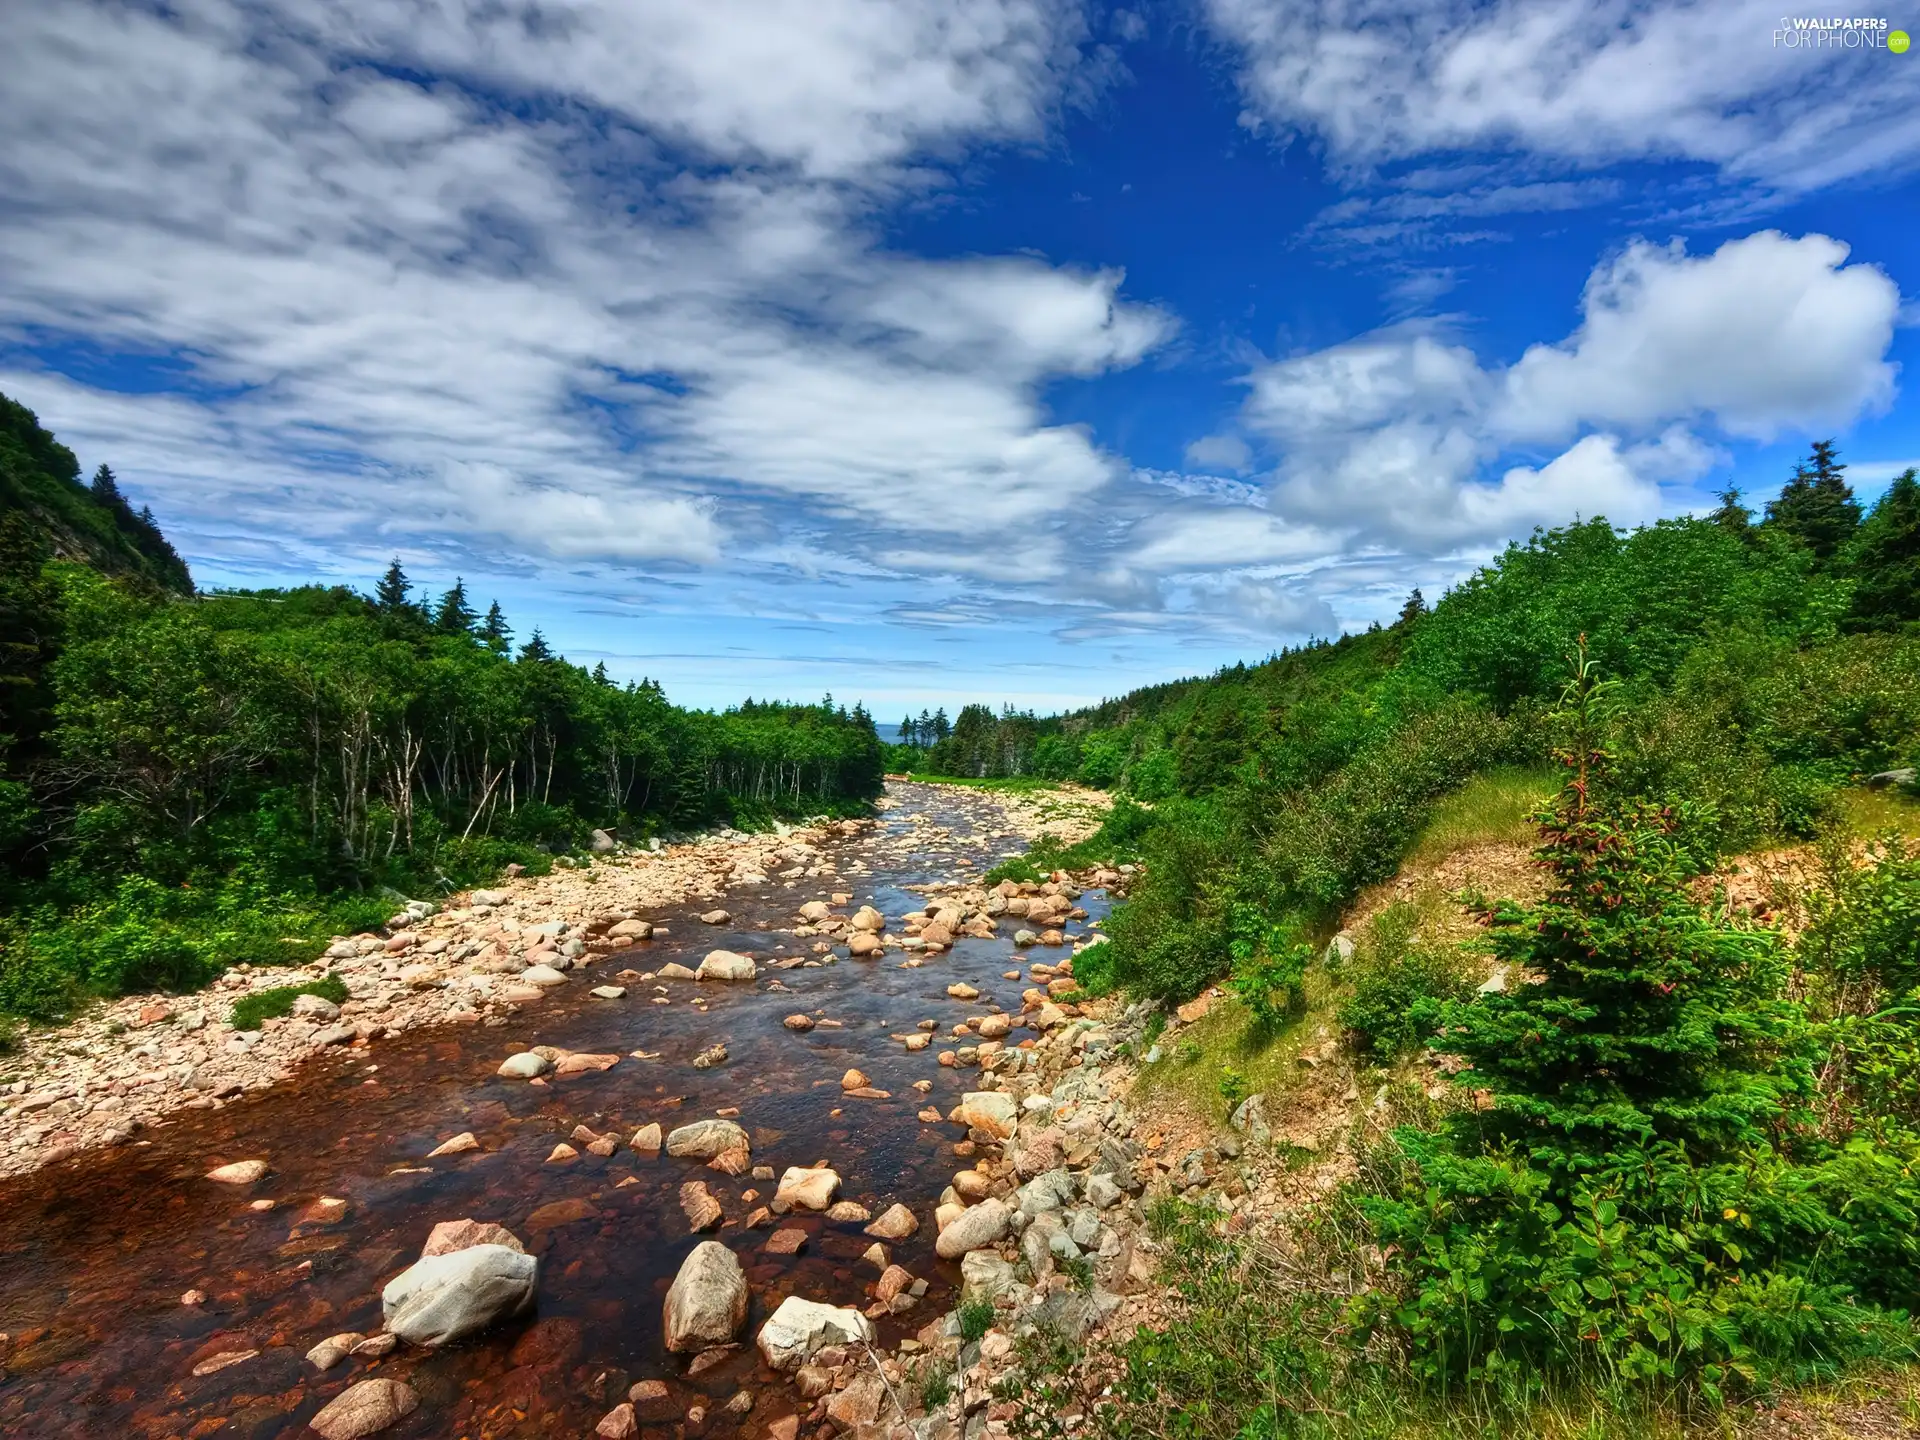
1865,814
1019,784
1490,808
250,1010
976,1318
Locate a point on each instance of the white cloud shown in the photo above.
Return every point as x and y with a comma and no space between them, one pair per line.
1376,81
1220,452
636,315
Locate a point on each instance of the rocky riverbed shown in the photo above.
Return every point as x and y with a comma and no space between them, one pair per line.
551,1181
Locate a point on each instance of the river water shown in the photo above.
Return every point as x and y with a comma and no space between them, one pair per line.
96,1252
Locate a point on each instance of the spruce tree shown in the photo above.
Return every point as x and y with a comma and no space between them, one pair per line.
1731,515
495,630
454,616
600,676
1415,607
105,490
1887,557
1817,507
390,595
536,648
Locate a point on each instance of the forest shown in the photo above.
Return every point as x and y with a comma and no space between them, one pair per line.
1673,1158
188,779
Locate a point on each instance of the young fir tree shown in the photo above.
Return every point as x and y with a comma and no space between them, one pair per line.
1415,607
1632,1015
105,490
1887,557
495,630
453,615
536,648
1817,507
1731,515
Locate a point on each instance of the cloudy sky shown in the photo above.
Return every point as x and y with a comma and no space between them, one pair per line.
930,351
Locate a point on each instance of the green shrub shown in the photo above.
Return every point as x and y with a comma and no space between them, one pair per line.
976,1318
249,1010
1399,982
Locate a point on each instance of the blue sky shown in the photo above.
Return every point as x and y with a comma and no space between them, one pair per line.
929,352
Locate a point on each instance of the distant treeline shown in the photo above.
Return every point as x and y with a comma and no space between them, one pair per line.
165,755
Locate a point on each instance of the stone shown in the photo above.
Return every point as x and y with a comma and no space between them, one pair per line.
561,1212
631,930
1250,1119
869,919
893,1281
374,1346
972,1186
451,1235
364,1408
601,843
326,1210
713,1055
973,1229
562,1153
786,1242
240,1172
608,992
542,975
854,1080
960,990
848,1212
725,965
314,1007
706,1139
992,1111
618,1423
876,1256
443,1298
896,1222
332,1350
524,1066
1889,779
807,1187
994,1027
814,911
863,943
716,917
458,1145
984,1276
859,1404
674,971
703,1212
1101,1191
226,1359
707,1302
647,1138
799,1328
582,1062
798,1023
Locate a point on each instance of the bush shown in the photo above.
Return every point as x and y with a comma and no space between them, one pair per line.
250,1010
1399,982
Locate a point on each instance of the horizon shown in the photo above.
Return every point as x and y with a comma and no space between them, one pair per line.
1028,360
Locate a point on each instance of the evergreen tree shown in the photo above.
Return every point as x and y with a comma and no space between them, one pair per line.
906,731
1817,507
600,676
536,648
1887,557
454,616
942,727
105,490
495,630
390,595
1732,515
1415,607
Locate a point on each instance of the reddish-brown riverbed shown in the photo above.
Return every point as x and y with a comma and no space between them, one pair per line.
96,1252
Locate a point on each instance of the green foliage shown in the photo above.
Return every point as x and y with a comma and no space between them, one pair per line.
1233,1086
976,1318
1887,558
1399,983
1816,507
250,1009
936,1388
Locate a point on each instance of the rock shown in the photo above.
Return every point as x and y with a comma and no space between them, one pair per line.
972,1186
240,1172
711,1056
962,991
647,1138
524,1066
876,1256
364,1409
991,1111
225,1360
561,1212
618,1423
807,1187
973,1229
1887,779
489,897
673,971
896,1222
705,1139
725,965
798,1023
984,1276
582,1062
542,975
703,1212
452,1235
1101,1191
444,1298
814,911
869,919
994,1027
562,1152
859,1404
601,843
608,992
893,1281
332,1350
631,930
315,1007
863,943
854,1080
458,1145
707,1303
786,1242
717,917
799,1328
326,1210
848,1212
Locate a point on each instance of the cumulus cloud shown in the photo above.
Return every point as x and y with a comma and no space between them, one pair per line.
1375,81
